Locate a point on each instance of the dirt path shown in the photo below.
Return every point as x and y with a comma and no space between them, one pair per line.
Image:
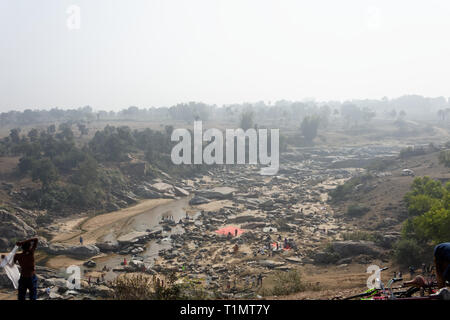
94,228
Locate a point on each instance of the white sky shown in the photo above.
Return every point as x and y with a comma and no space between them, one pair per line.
161,52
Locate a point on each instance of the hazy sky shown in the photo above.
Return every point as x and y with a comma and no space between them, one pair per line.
161,52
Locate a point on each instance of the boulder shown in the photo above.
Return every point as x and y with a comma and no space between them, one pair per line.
4,281
132,237
90,264
102,291
145,192
77,252
198,200
270,263
217,193
162,187
13,227
85,251
107,246
180,192
4,245
55,282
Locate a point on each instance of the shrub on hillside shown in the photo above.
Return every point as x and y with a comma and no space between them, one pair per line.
356,210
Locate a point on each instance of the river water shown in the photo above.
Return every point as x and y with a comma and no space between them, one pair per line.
148,220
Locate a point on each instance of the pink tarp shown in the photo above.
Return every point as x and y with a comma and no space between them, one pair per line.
230,229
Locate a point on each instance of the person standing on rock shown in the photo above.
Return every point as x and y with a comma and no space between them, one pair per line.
28,279
81,240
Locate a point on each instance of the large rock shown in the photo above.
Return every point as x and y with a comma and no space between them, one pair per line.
353,248
107,246
270,263
101,291
4,281
55,282
198,200
245,218
12,227
180,192
217,193
162,187
78,252
132,237
4,244
145,192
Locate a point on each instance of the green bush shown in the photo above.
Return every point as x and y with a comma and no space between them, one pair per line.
288,283
408,252
347,190
420,204
444,158
144,287
411,152
356,210
380,164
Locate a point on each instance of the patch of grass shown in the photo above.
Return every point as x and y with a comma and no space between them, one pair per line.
288,283
380,164
144,287
362,236
411,152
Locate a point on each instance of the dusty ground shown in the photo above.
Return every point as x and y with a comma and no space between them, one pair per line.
386,199
93,228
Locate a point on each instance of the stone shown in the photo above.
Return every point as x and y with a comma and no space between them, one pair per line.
132,237
180,192
219,193
270,263
108,246
146,193
78,252
162,187
90,264
197,200
13,227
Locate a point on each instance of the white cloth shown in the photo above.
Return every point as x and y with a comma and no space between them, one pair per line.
10,268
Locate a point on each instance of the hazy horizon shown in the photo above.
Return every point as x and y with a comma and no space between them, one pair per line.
163,52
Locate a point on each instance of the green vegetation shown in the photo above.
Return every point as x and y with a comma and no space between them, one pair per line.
78,176
428,224
287,283
380,164
357,210
346,191
309,127
412,152
362,235
246,121
143,287
444,158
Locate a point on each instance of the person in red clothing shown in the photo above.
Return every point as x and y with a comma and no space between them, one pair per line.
25,259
